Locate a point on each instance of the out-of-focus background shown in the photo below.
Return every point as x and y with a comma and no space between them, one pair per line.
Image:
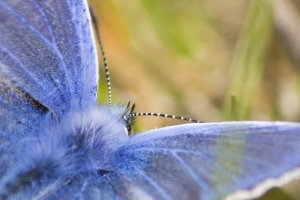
211,60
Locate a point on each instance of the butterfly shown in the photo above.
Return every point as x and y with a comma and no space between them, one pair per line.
57,143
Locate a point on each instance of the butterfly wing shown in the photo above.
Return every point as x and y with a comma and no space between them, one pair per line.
47,62
48,66
207,161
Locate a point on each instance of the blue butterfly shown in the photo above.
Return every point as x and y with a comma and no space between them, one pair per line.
57,143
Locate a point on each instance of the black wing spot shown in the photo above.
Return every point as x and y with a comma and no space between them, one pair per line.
22,95
102,172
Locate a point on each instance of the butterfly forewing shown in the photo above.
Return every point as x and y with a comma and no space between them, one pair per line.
47,62
47,47
48,67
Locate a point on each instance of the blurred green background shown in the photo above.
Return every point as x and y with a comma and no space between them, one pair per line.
211,60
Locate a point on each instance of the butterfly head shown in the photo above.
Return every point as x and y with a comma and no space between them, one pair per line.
126,115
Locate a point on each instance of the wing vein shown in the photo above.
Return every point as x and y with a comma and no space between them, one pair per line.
20,66
53,48
154,184
191,172
44,19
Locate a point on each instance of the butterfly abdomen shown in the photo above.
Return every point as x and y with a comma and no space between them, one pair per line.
79,143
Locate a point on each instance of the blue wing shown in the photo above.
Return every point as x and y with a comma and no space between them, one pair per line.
207,161
48,66
47,62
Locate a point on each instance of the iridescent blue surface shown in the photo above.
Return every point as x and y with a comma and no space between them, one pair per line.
57,143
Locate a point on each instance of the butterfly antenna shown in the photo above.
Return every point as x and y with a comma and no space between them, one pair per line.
94,20
132,114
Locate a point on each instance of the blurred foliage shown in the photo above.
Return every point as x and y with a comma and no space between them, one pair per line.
249,57
188,57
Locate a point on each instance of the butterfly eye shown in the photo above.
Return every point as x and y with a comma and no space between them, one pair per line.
128,130
127,126
129,118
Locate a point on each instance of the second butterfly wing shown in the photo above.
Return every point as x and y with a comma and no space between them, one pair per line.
207,161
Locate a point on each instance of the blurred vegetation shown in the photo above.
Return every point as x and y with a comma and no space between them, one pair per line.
211,60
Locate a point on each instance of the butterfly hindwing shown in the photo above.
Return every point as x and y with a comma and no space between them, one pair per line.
207,161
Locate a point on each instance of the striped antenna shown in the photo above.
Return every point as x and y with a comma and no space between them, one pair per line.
94,20
164,115
129,117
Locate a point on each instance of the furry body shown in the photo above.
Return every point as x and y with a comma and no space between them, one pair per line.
79,143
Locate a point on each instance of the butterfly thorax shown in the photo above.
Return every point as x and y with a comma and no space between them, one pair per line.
80,143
